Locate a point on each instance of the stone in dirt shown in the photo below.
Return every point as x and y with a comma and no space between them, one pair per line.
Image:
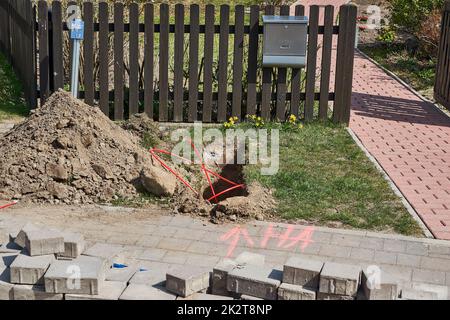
339,279
34,292
303,272
69,152
6,288
158,181
257,281
110,290
145,292
30,270
288,291
187,280
74,244
84,275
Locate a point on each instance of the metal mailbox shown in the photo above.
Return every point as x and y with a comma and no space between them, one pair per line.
285,41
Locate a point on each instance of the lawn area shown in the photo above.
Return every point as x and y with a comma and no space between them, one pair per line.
12,103
326,179
416,71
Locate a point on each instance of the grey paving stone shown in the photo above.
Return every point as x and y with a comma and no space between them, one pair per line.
411,294
187,280
328,296
109,252
335,251
251,258
443,292
43,241
288,291
435,264
322,237
380,286
205,296
74,245
417,248
110,290
148,241
428,276
176,257
220,276
34,292
382,257
408,260
21,237
154,276
6,288
362,254
145,292
345,240
120,274
371,243
174,244
392,245
30,270
200,260
7,258
339,279
302,271
84,275
257,281
152,254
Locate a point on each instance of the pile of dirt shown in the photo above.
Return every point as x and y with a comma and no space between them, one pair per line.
69,152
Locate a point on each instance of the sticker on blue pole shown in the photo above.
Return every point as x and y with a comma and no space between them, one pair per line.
77,29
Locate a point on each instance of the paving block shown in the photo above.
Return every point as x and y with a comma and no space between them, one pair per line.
110,290
257,281
21,237
34,292
30,270
6,288
74,244
187,280
153,276
84,275
111,253
247,297
383,288
328,296
288,291
7,258
250,258
303,272
42,242
441,291
120,274
204,296
339,279
411,294
145,292
220,276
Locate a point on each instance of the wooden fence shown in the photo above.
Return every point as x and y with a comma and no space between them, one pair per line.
216,62
442,80
17,43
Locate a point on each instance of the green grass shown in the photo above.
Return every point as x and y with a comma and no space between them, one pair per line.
417,71
324,178
12,103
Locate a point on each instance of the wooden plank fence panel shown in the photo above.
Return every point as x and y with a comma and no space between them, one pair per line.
312,62
103,57
252,60
44,63
193,61
88,52
326,62
266,98
149,59
118,61
164,63
281,81
134,59
208,63
296,75
58,68
223,63
238,53
178,62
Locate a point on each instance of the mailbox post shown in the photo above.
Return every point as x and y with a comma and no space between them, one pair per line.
76,34
285,41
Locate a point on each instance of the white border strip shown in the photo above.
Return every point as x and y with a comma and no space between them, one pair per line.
396,190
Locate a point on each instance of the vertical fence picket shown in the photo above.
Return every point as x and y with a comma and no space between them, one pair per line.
312,62
134,59
88,52
118,61
326,62
266,97
193,61
237,61
223,63
103,56
281,81
296,77
148,58
178,63
252,60
164,63
208,63
44,63
58,68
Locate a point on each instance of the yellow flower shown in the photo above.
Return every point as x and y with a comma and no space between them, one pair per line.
235,118
300,126
292,118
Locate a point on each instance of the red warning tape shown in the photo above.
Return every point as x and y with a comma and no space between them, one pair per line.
8,205
205,170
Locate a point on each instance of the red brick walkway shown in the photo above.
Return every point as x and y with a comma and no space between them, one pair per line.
410,139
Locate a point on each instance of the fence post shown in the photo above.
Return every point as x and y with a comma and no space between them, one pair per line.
344,63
